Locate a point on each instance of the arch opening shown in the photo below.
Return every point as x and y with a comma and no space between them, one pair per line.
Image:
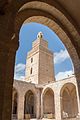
71,49
60,24
29,105
74,55
69,106
48,104
53,40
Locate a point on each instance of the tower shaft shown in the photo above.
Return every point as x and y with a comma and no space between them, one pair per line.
39,67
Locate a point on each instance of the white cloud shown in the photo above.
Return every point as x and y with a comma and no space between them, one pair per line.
19,71
61,56
19,77
62,75
19,67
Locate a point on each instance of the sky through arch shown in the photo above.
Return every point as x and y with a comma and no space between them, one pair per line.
62,63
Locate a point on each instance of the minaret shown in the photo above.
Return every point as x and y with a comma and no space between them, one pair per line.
40,67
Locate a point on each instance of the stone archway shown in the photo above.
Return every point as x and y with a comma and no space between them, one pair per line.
57,21
69,105
14,104
54,20
29,105
9,45
48,103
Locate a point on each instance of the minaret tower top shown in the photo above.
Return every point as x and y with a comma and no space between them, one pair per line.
40,35
40,41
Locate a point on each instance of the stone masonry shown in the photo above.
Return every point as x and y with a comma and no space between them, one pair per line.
40,95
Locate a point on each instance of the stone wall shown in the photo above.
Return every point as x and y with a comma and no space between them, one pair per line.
43,101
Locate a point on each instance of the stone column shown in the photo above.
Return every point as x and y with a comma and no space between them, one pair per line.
38,100
57,105
41,105
20,110
7,60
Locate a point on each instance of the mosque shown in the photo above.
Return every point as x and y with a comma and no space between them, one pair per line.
40,96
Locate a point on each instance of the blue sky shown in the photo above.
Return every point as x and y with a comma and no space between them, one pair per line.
28,33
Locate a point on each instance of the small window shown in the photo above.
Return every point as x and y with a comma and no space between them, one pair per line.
31,60
31,71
